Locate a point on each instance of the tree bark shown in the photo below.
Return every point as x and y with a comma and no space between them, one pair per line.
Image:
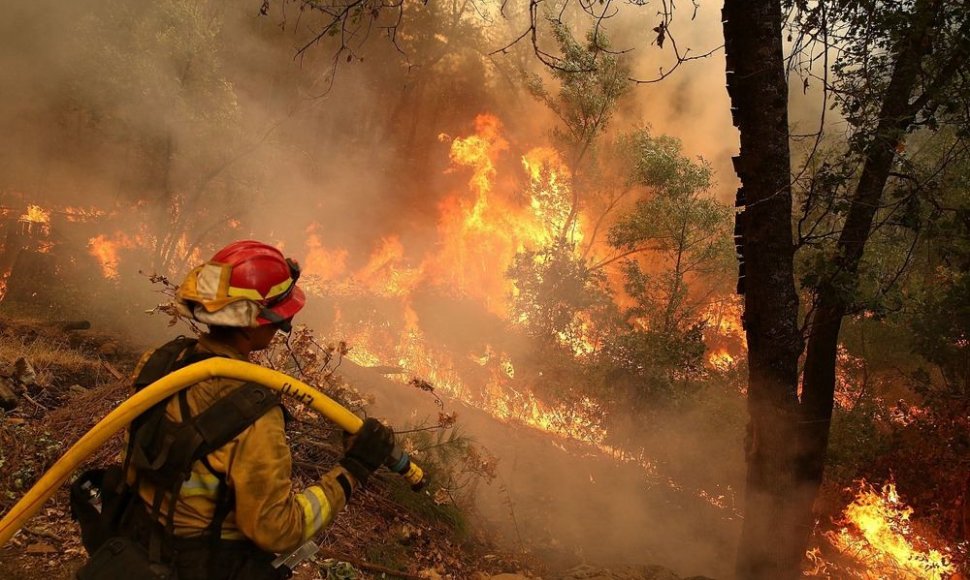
759,96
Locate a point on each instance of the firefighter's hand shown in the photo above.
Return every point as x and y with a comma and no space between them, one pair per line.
368,449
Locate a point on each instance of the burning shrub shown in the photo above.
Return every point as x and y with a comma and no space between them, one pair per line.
555,291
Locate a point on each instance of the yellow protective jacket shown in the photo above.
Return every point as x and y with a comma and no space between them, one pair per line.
257,466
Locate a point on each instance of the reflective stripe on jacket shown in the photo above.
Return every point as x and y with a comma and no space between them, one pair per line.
257,465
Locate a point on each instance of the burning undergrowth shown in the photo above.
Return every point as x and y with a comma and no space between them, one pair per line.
446,314
877,537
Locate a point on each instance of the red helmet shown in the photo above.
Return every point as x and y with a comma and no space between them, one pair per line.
247,283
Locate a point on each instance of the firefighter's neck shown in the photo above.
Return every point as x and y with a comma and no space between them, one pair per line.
238,341
245,340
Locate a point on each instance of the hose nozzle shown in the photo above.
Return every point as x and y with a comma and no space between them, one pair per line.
399,462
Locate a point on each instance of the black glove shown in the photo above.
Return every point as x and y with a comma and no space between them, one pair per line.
369,449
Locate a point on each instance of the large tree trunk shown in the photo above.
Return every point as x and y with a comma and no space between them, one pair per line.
769,546
818,388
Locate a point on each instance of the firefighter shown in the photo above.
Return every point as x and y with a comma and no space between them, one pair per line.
209,469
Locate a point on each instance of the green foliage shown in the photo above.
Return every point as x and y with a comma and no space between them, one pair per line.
686,235
658,163
871,36
909,332
942,325
856,439
679,258
938,308
591,79
656,367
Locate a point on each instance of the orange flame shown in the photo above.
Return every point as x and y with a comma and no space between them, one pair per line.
877,532
387,273
106,249
481,237
321,263
479,152
81,214
481,228
721,360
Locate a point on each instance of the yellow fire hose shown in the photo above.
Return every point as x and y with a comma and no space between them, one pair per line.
165,387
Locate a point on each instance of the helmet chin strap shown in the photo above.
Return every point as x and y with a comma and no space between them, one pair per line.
281,323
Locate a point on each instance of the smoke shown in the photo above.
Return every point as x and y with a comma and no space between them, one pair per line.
190,124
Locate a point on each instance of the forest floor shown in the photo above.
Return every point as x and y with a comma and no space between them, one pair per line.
76,376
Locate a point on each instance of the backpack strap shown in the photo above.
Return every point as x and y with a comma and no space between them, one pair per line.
167,452
213,428
161,362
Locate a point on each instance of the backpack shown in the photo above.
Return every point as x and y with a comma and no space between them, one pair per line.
162,452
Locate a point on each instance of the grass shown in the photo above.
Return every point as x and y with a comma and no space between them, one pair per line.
389,555
49,358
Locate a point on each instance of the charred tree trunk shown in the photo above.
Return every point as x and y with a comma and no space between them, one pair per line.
759,96
832,298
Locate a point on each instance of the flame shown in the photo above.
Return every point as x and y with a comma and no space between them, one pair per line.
32,231
37,215
481,233
721,360
876,531
321,263
81,214
849,378
498,398
550,198
106,249
905,414
509,204
387,273
479,151
36,224
579,336
479,238
724,335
